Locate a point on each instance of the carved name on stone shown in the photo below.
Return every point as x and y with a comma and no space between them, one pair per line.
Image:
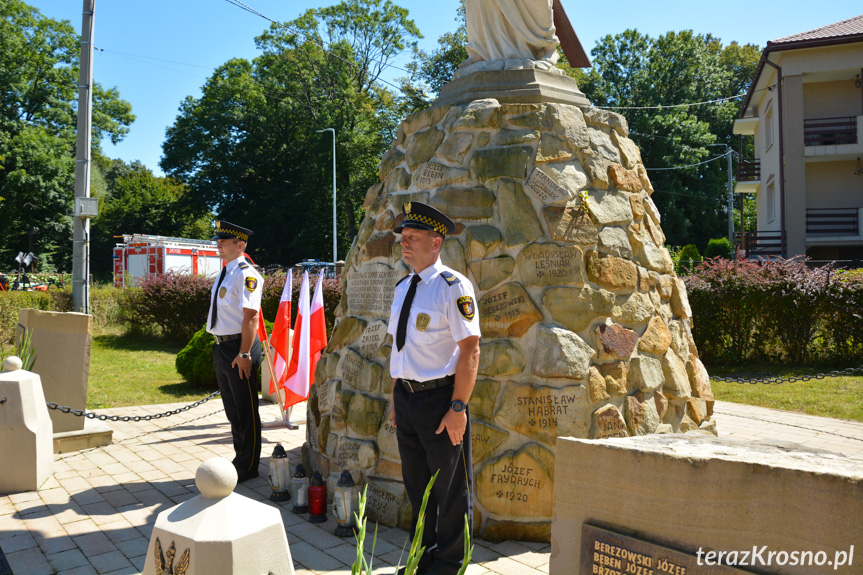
382,503
507,312
608,422
550,264
370,290
543,413
604,551
350,365
386,438
485,439
355,455
545,188
518,485
429,174
372,338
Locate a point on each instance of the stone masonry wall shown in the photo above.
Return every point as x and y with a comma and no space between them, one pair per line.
585,327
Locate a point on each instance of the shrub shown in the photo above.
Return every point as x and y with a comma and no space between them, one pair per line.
687,259
195,361
176,303
743,308
718,248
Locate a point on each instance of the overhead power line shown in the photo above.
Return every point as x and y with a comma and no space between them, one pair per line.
713,159
685,105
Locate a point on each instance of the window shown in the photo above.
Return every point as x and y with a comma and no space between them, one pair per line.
771,202
768,128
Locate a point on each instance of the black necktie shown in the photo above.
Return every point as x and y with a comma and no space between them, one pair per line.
214,309
402,329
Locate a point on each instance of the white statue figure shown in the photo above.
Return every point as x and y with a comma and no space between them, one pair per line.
510,30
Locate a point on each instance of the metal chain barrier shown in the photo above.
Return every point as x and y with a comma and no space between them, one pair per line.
91,415
791,379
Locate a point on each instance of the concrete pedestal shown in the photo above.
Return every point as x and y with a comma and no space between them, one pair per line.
25,433
219,531
696,493
527,86
62,344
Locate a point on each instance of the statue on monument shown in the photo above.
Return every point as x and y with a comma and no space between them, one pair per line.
512,51
511,30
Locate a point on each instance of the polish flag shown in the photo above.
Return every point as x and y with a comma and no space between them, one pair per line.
299,372
318,332
280,342
262,327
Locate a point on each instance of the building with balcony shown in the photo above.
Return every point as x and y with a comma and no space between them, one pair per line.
804,110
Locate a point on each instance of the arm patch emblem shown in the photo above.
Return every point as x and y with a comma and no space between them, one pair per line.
466,307
251,283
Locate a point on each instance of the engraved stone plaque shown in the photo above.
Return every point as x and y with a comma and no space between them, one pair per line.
608,422
518,485
546,189
543,413
370,290
550,264
608,553
507,312
372,339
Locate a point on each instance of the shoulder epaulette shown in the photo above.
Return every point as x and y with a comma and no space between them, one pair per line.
403,279
243,265
450,279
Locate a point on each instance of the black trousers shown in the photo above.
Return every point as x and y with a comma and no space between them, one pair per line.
423,452
240,398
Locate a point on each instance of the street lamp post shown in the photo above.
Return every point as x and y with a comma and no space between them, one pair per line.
335,249
728,153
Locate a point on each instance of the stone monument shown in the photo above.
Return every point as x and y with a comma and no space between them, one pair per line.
585,327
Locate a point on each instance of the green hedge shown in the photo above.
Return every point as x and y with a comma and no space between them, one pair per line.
106,304
779,310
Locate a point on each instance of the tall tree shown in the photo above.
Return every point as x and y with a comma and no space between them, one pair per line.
666,75
249,148
38,103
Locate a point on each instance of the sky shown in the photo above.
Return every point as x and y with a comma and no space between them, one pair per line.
160,51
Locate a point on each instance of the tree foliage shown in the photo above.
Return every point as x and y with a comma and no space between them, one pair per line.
38,106
135,201
249,147
632,70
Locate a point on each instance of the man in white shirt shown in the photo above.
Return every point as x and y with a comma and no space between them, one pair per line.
434,362
235,303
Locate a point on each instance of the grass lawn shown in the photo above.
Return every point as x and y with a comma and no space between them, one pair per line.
135,370
840,397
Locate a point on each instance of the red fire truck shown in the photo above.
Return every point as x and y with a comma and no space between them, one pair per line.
141,255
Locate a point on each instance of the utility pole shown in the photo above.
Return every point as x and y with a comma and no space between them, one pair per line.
83,143
335,251
728,153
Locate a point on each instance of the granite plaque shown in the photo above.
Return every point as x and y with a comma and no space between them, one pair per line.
605,552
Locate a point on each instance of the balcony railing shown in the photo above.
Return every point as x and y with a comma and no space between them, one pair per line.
763,244
832,222
749,171
830,131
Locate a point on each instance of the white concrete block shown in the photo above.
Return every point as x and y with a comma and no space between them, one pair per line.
220,531
26,433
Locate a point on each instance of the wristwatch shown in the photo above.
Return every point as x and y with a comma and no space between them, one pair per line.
457,406
246,355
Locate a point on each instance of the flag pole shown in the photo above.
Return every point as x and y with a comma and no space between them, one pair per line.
285,421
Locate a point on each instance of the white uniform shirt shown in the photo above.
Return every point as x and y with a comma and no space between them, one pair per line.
240,289
442,314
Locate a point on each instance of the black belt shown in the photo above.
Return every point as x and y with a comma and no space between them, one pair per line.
417,386
224,338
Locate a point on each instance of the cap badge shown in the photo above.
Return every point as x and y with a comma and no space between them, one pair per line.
407,208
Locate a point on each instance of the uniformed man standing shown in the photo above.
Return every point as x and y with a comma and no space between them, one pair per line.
235,303
434,362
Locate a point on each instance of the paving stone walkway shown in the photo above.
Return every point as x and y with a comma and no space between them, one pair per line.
96,513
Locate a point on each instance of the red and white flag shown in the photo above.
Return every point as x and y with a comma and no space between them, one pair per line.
299,371
318,331
280,342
